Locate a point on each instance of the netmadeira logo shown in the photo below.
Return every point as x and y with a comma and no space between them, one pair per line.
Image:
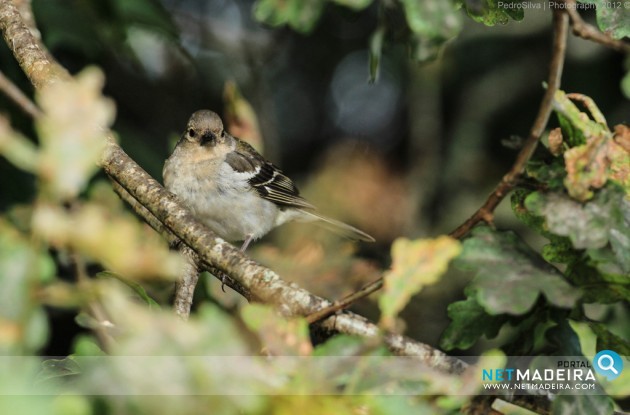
557,373
566,371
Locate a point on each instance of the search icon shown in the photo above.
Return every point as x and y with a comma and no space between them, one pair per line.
608,363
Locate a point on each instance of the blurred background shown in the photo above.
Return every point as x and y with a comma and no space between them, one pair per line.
412,153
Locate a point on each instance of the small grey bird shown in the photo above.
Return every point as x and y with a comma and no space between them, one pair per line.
232,189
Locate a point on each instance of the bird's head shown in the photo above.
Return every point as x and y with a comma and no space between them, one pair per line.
205,128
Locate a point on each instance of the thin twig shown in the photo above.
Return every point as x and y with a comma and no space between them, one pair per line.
345,302
185,285
589,32
486,211
94,308
18,97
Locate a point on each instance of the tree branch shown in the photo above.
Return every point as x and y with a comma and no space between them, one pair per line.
486,211
589,32
262,282
27,49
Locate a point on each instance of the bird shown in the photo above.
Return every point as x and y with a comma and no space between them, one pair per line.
233,189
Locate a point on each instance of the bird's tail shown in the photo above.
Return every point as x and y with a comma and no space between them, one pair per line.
337,227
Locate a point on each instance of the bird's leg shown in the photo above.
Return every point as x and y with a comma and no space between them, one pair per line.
246,243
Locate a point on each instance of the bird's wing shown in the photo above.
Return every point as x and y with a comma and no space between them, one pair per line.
266,179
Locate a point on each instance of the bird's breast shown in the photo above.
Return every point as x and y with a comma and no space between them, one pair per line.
222,199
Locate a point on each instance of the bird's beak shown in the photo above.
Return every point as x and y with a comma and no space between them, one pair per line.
208,138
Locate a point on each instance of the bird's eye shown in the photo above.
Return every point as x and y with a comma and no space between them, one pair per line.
223,134
191,133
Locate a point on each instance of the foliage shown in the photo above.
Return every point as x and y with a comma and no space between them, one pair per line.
584,213
90,27
429,23
491,12
75,247
134,340
414,264
611,18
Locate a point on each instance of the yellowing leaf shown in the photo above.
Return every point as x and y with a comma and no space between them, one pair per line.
622,136
72,132
602,157
619,155
279,336
23,267
414,265
586,167
589,166
119,242
555,141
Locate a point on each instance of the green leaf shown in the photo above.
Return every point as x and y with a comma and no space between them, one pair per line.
586,337
72,405
72,132
115,239
85,345
592,225
432,23
611,268
551,173
58,368
301,16
280,336
86,321
517,202
376,46
492,12
35,330
342,345
609,341
559,250
565,339
354,4
431,18
613,18
597,287
469,321
16,148
582,405
414,265
565,107
625,83
139,289
572,135
148,13
23,324
510,275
